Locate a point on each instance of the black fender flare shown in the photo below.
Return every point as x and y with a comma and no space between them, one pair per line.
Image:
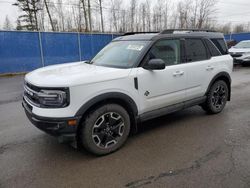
116,96
228,80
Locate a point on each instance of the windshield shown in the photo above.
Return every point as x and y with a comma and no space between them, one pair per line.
243,44
120,54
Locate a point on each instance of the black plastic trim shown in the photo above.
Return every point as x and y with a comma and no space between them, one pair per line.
170,109
136,83
221,74
54,126
108,96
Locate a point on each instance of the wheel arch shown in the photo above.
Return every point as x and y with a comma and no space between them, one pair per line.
115,98
221,76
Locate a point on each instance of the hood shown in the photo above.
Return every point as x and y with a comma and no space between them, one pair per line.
239,50
71,74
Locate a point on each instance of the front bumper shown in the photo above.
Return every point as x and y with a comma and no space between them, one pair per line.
58,127
241,60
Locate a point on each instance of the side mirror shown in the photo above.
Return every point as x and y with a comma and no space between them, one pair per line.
155,64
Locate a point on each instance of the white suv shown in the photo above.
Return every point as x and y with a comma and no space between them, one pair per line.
136,77
241,52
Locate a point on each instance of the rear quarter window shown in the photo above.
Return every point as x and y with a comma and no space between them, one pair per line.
221,45
214,51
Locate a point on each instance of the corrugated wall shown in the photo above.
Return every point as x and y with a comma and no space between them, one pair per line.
238,36
26,51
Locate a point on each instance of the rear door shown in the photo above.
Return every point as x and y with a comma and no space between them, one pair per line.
201,66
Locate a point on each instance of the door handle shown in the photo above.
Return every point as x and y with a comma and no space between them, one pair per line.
210,68
178,73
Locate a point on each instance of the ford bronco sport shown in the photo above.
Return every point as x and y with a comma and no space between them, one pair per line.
136,77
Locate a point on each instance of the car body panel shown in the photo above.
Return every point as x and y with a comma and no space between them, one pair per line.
72,74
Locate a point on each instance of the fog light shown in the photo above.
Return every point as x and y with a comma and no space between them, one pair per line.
72,122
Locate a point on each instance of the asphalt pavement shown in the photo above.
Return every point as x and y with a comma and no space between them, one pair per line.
185,149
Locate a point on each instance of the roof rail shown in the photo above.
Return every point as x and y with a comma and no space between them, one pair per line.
133,33
171,31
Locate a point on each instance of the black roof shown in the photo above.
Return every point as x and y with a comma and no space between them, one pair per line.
170,34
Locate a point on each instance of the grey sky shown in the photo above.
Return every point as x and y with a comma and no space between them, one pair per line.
227,11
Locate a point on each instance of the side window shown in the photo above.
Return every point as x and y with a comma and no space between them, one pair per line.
221,45
167,50
212,48
195,50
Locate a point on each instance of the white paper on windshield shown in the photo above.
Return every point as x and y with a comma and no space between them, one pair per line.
135,47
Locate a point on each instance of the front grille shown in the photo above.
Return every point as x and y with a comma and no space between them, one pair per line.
30,94
27,105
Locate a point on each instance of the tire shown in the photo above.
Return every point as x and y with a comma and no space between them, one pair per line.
105,129
216,98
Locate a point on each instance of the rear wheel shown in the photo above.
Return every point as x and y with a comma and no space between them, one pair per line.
105,130
216,98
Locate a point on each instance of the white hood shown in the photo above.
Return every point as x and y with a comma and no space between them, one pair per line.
239,50
71,74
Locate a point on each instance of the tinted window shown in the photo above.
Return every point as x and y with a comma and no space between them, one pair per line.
195,50
167,50
212,48
221,45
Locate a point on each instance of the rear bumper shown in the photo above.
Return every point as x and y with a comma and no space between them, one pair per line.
57,127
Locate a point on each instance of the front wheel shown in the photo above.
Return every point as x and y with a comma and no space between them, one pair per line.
105,129
216,98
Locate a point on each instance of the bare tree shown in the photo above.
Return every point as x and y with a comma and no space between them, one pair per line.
239,28
94,15
133,6
166,13
148,14
183,10
76,15
194,16
61,15
100,4
115,10
123,27
143,15
46,2
85,13
226,28
7,24
206,9
89,14
35,7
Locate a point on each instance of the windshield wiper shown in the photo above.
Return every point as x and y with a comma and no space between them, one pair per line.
88,62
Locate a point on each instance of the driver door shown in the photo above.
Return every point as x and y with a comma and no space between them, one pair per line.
162,88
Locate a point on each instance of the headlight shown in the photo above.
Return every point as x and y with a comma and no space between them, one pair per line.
246,56
53,98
